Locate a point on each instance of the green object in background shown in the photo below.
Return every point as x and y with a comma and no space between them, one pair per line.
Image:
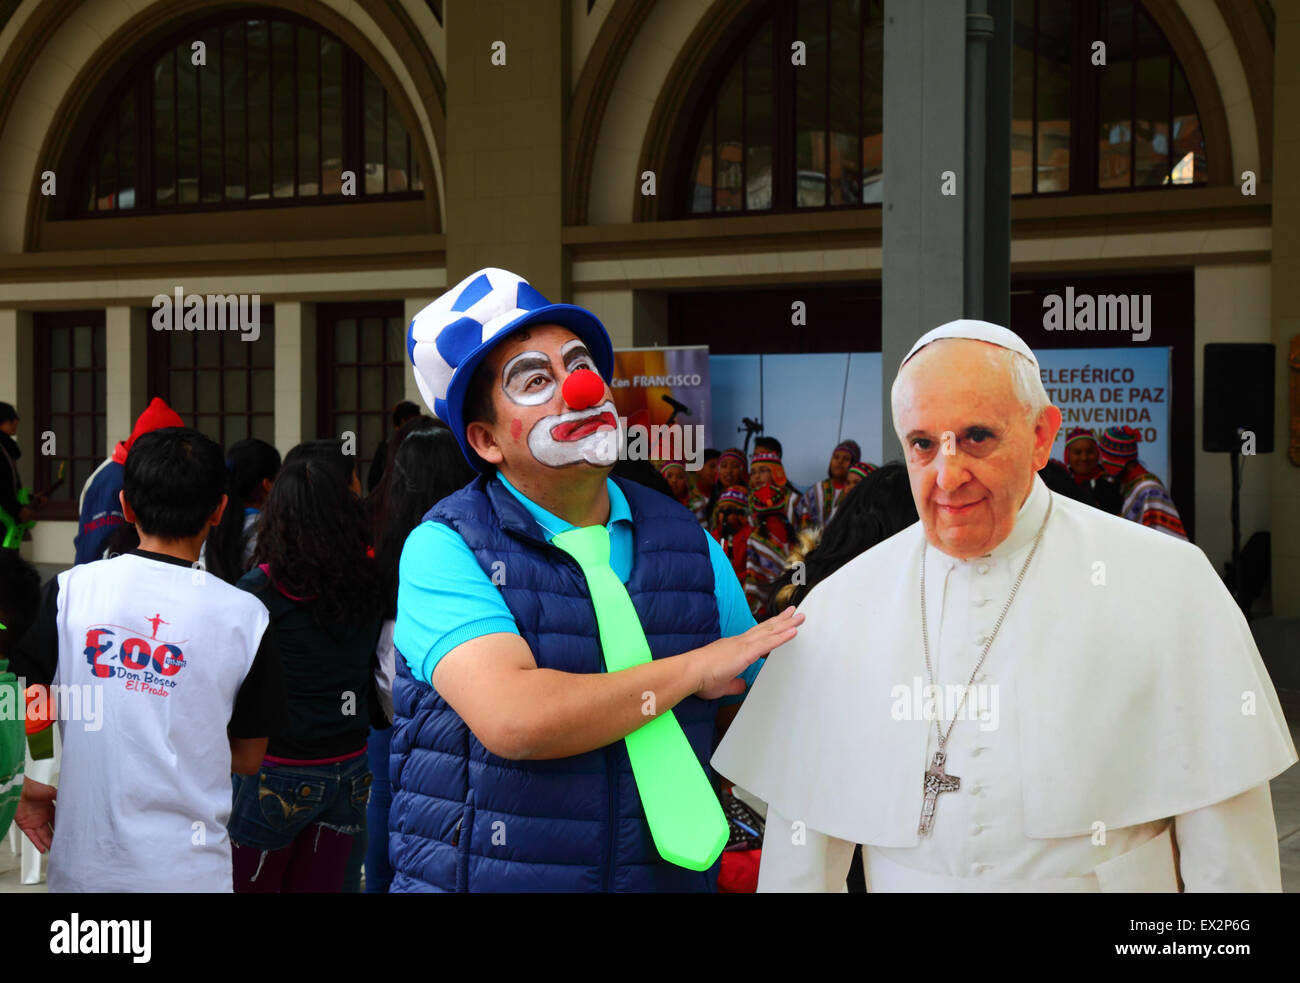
681,806
13,744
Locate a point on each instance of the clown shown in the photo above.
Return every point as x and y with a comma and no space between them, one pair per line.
530,629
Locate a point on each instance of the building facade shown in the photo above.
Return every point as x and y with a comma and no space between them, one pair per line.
671,164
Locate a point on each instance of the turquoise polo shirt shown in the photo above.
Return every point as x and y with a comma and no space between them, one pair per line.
445,598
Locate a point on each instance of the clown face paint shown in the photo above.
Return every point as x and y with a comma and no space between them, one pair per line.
591,435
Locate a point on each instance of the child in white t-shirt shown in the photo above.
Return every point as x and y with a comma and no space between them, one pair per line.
165,681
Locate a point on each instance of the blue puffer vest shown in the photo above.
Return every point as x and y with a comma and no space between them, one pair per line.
463,819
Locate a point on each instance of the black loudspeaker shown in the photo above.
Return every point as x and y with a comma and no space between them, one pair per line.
1238,396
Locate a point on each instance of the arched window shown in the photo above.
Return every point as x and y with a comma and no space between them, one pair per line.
781,136
1099,101
772,135
246,110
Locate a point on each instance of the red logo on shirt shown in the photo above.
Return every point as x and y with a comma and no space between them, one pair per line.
145,665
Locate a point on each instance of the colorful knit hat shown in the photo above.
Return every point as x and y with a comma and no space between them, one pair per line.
768,500
737,455
1118,446
734,499
769,456
861,468
855,452
735,495
1079,433
669,465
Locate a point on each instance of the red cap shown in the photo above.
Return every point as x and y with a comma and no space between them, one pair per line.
157,416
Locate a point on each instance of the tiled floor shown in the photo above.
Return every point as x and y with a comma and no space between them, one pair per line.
1286,803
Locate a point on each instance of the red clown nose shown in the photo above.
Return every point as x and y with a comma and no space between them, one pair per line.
583,388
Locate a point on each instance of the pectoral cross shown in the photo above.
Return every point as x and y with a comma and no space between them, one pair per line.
936,781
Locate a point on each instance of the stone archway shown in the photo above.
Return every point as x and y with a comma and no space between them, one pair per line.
62,49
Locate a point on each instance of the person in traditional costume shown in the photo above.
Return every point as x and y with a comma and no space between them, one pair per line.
730,527
683,489
1145,499
818,502
765,468
1084,762
1082,457
769,544
706,483
732,469
770,443
857,471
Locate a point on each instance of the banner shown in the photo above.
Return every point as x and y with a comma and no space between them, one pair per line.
652,386
1112,387
808,402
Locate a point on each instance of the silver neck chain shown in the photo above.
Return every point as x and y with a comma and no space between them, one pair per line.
925,632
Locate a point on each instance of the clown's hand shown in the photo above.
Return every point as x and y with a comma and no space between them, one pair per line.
35,813
719,663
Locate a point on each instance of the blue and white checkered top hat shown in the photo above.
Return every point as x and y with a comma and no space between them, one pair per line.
448,339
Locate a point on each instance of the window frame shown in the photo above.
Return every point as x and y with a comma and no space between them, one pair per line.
138,85
327,318
159,356
785,149
44,324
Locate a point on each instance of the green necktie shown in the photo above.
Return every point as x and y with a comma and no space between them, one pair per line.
681,807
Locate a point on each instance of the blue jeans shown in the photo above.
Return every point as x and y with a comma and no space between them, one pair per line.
379,871
274,806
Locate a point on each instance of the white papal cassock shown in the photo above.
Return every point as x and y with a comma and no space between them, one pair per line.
1130,733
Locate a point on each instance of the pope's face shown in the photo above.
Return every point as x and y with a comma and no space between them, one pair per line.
1083,457
971,454
536,430
841,461
729,472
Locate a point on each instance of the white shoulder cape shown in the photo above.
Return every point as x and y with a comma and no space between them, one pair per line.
1154,701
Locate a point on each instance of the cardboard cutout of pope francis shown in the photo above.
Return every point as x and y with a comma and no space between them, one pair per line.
933,709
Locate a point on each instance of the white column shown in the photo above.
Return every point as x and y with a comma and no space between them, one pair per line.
413,307
295,374
126,343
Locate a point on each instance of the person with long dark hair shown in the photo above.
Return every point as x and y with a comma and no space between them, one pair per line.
251,467
377,502
427,467
331,453
869,513
293,823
